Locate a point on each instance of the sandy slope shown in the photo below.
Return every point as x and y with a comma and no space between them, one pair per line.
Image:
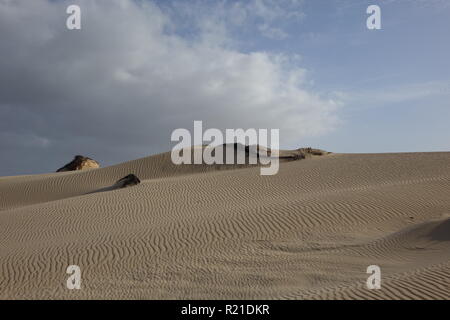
308,232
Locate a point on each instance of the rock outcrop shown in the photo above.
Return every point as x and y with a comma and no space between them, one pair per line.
79,163
128,181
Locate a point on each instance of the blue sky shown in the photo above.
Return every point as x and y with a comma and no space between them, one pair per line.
411,47
137,70
393,83
407,61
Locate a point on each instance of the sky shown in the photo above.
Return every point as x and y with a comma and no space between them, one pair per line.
137,70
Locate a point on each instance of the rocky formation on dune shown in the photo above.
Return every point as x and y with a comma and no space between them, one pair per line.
127,181
80,163
313,152
286,155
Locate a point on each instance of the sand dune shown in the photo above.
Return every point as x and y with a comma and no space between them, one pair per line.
225,231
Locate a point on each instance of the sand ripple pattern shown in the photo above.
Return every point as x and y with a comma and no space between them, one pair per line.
197,232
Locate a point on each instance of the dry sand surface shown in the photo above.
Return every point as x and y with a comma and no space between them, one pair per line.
218,232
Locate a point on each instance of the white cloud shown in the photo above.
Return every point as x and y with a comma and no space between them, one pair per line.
395,94
125,80
223,17
272,32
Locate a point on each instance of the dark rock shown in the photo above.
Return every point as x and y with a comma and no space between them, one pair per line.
128,181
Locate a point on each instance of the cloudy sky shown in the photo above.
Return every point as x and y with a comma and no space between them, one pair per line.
137,70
